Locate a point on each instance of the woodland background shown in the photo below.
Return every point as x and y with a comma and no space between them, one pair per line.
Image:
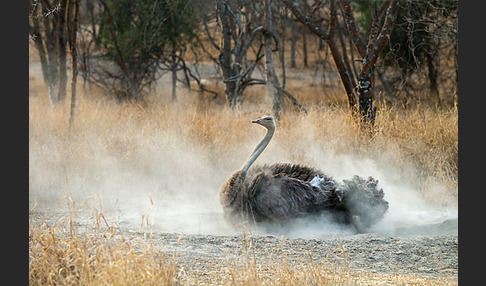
136,107
407,50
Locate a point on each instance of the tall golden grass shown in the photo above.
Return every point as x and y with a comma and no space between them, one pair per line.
419,142
60,255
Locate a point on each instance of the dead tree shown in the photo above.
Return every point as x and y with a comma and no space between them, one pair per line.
239,29
244,42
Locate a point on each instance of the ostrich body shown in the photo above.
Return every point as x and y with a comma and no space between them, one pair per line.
283,191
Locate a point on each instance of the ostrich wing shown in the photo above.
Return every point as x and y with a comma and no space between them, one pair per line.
295,171
281,197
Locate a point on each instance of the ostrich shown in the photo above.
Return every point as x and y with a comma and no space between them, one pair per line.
280,192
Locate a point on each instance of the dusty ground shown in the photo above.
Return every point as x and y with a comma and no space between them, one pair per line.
423,256
207,259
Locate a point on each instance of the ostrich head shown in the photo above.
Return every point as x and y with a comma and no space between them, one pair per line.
266,121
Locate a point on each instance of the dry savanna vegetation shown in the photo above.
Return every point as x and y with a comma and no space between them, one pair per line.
207,141
63,256
125,165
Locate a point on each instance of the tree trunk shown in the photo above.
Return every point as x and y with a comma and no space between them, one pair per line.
174,80
74,63
304,47
344,74
275,90
281,50
90,8
344,52
272,80
44,29
328,37
377,40
52,54
292,44
61,36
278,102
367,111
369,53
44,60
225,55
433,74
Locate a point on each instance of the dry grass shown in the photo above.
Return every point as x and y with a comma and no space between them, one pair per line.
428,136
421,143
59,255
66,255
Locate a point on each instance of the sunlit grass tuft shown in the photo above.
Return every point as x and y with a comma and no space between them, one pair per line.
60,255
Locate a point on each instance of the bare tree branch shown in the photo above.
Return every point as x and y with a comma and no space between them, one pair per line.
375,48
352,28
346,80
305,19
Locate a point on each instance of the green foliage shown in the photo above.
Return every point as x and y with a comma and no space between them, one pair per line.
418,30
364,15
147,32
422,47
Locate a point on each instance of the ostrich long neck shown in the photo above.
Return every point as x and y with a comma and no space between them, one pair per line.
259,149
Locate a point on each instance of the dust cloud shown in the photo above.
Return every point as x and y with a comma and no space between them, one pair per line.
143,179
152,184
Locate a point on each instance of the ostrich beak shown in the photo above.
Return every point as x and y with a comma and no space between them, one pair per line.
255,121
